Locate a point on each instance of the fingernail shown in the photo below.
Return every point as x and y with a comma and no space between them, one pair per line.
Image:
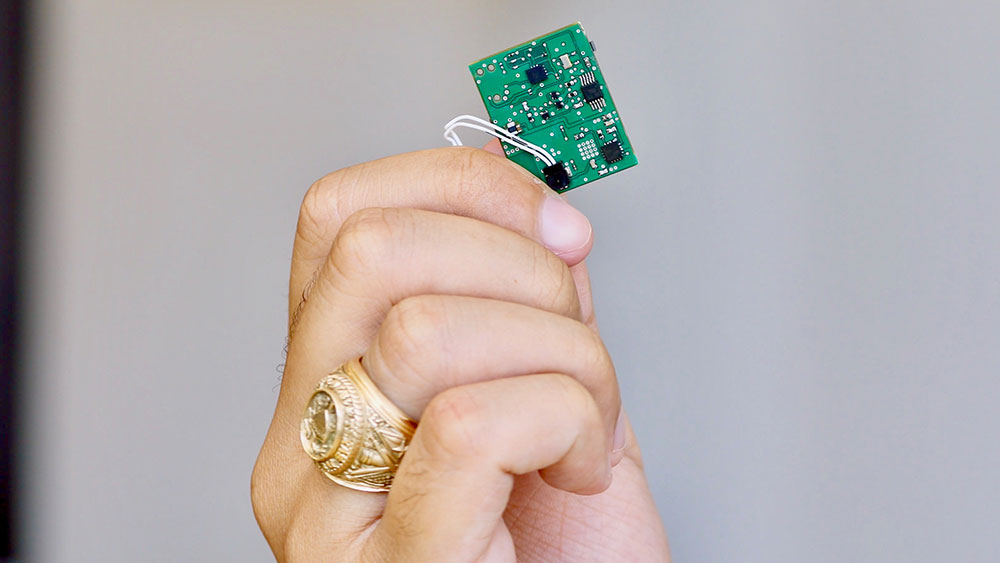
563,228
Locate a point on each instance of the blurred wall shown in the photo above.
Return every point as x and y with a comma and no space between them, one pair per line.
800,282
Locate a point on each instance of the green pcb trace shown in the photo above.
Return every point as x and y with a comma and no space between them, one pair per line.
551,92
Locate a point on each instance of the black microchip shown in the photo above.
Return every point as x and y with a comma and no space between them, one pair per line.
545,115
556,176
559,105
537,74
592,92
555,95
612,151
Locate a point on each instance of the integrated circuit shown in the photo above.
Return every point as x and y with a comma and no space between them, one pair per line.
612,151
591,92
537,74
551,93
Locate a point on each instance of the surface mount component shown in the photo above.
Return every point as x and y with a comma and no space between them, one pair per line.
551,93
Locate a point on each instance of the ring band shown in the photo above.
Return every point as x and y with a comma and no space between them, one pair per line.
353,432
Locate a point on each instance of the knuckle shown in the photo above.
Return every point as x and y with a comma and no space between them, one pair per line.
324,205
474,173
595,354
578,399
595,368
365,236
576,396
263,496
257,490
561,295
474,167
452,423
316,214
411,328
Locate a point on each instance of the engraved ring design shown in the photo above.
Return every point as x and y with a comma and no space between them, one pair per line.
356,435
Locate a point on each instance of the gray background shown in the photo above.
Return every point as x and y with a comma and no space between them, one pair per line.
800,282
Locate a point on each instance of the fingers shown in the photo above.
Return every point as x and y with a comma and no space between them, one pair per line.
430,343
457,180
382,256
494,147
581,277
451,490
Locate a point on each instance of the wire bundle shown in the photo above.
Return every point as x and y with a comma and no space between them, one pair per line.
473,122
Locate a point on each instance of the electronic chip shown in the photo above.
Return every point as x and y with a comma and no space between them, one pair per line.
612,151
556,176
537,74
591,91
555,94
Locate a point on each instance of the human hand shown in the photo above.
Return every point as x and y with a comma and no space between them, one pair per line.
459,279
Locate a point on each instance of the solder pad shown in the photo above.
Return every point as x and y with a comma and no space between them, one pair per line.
551,92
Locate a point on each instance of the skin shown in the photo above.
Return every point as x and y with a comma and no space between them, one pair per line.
459,278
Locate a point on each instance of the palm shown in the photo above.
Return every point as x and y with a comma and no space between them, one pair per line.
620,524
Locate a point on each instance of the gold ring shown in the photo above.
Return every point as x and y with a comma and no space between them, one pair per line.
356,435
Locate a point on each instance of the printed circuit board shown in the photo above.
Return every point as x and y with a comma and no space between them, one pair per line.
551,92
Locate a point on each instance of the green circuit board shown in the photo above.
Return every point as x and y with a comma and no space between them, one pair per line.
551,92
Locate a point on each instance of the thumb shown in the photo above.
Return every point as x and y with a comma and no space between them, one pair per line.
579,271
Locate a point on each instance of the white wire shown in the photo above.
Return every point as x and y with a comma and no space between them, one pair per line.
538,153
449,128
526,146
496,131
530,148
473,118
452,136
517,142
478,120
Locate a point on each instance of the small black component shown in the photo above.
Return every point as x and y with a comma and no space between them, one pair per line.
537,74
559,105
612,151
556,176
555,95
593,46
592,91
512,127
545,115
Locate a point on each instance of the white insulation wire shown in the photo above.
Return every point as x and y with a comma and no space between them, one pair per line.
473,122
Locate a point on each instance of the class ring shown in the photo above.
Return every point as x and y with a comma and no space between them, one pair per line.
354,433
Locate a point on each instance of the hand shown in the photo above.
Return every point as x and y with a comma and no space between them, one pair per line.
459,278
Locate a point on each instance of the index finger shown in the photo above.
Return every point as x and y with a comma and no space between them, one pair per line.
458,180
